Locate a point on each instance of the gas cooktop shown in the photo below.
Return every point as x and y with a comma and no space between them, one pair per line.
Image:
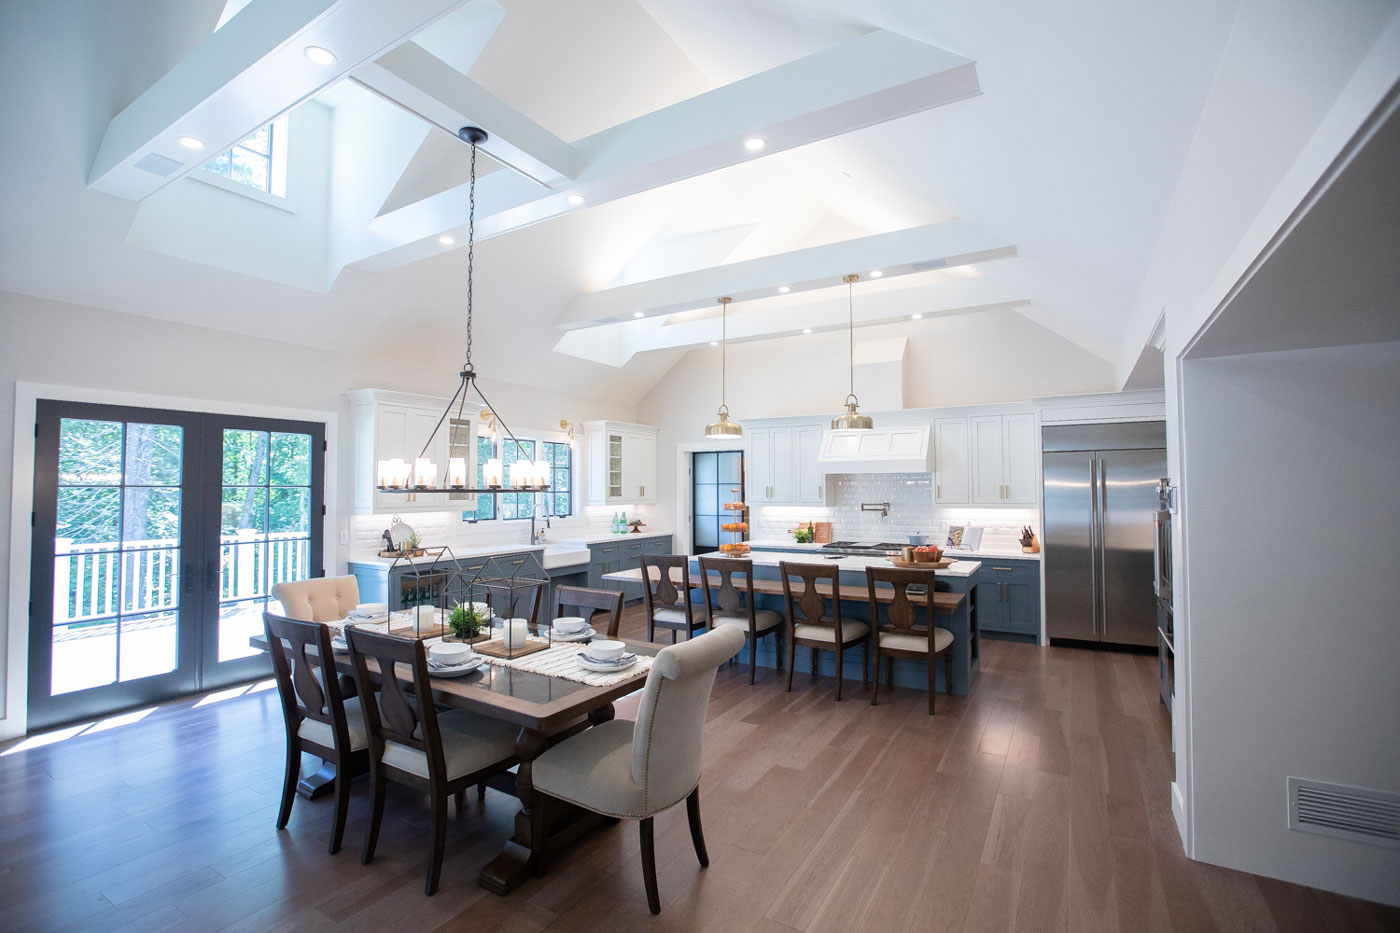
856,547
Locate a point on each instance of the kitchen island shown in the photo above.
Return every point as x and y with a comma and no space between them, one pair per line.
954,610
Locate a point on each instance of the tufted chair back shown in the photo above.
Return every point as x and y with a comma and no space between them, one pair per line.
322,599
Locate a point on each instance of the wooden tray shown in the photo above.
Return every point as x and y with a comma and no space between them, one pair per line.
496,648
922,564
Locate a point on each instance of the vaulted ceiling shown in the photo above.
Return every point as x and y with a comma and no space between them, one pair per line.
1021,156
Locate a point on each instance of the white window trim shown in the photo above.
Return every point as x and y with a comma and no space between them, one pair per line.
277,165
539,437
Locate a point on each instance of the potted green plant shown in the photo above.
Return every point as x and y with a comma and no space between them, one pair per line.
466,623
411,545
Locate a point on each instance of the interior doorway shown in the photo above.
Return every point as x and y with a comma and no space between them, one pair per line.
717,478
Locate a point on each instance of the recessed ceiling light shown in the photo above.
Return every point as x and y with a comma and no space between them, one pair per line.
783,289
318,55
189,142
806,330
446,240
576,199
639,314
876,273
916,317
755,143
714,343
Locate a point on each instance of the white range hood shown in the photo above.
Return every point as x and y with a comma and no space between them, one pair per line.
888,450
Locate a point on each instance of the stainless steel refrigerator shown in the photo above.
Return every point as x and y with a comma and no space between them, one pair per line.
1101,496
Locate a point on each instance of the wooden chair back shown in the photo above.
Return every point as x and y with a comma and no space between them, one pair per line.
389,716
593,601
304,695
728,597
901,611
810,605
658,589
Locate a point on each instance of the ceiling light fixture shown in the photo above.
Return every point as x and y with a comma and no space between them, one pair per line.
806,330
189,142
576,199
916,317
319,56
876,273
714,343
639,314
446,240
852,419
525,476
755,143
783,289
723,429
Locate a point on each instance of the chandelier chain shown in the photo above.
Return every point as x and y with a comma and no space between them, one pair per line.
471,248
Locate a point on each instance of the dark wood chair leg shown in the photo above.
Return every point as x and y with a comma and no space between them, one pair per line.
875,695
815,659
460,798
675,633
342,803
649,865
430,884
932,676
697,834
481,792
840,655
651,629
376,816
865,661
289,782
889,671
779,644
753,658
948,673
792,661
539,835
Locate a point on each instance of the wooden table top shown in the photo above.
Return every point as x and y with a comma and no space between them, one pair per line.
534,701
942,602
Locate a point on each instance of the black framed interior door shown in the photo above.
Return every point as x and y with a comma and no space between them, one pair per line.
156,537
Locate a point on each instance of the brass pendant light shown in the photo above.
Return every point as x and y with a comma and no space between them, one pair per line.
723,429
852,419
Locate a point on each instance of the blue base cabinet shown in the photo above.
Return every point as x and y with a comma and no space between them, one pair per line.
1008,597
622,554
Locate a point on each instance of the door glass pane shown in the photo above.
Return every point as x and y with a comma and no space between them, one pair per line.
89,515
245,458
153,454
150,579
291,459
89,452
238,622
151,516
244,510
731,467
289,510
706,531
148,645
706,468
84,656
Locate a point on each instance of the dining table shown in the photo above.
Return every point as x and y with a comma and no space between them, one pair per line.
547,709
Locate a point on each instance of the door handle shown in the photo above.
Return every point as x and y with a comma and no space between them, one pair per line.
1094,543
211,577
187,591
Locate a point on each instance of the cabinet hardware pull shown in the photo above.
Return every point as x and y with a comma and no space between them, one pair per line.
1003,568
938,491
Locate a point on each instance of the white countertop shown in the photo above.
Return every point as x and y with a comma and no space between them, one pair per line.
480,550
955,553
605,538
959,568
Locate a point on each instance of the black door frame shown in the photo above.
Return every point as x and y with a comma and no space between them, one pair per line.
201,477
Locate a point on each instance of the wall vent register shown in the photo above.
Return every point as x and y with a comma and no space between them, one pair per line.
1356,813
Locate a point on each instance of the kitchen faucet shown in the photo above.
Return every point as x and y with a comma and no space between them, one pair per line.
538,537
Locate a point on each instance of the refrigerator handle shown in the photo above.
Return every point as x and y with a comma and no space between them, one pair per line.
1101,595
1094,540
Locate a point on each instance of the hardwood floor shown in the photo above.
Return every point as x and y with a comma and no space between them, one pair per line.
1038,803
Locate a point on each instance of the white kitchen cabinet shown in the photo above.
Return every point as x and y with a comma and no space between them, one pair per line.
621,463
951,458
781,466
390,425
1003,459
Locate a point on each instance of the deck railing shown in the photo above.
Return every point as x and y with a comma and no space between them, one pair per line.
98,580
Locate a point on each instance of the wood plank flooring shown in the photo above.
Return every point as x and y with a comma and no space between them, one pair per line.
1038,803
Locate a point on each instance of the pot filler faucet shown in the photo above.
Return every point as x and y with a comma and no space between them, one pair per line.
882,507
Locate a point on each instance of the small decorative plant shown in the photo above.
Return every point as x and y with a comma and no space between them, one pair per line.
465,622
412,542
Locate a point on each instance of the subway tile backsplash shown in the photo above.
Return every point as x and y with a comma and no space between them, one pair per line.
912,512
439,528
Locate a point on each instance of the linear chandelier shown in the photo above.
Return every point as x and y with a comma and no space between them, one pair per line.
397,475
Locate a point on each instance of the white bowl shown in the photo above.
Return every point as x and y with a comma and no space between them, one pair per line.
605,650
372,609
450,653
570,625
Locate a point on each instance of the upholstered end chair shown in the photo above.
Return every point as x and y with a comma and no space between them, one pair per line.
634,770
319,599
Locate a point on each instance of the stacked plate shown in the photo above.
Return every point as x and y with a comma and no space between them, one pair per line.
572,628
605,656
453,659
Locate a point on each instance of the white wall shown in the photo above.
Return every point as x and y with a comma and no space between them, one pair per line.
1291,525
69,345
968,359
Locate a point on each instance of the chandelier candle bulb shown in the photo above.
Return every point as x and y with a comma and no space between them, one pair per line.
424,473
393,474
520,473
457,471
541,472
492,472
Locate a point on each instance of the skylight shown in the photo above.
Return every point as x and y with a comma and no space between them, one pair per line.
258,161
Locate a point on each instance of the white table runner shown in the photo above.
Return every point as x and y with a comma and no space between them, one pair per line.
562,661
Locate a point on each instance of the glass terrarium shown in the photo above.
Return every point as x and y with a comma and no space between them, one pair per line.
520,624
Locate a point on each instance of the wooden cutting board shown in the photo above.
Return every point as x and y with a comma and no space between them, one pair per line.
922,564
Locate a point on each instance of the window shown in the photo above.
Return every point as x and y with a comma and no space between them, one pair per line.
258,161
558,502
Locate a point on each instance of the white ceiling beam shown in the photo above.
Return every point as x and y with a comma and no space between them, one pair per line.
615,344
901,252
242,77
424,84
872,79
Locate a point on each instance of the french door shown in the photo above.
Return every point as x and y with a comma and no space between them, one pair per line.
157,538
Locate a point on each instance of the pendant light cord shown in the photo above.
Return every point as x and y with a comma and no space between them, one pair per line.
723,354
471,249
851,317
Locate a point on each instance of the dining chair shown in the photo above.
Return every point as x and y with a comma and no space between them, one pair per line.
514,596
319,719
634,770
411,743
593,601
726,605
810,625
667,607
904,638
317,599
